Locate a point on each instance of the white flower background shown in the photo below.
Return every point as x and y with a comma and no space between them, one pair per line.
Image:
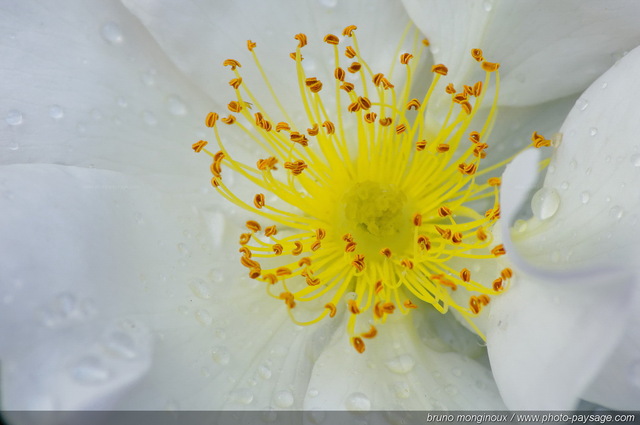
120,286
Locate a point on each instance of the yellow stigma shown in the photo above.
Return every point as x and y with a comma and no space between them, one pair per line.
371,204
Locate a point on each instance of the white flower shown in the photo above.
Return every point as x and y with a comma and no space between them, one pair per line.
119,290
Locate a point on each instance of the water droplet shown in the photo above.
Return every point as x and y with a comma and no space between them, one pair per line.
121,344
243,396
313,392
564,185
593,131
604,85
401,390
616,212
585,197
221,355
264,372
434,49
204,317
90,370
520,226
149,77
283,399
582,104
149,118
122,102
200,288
635,159
56,112
328,3
573,164
545,203
112,33
358,402
401,364
176,106
487,5
14,117
634,374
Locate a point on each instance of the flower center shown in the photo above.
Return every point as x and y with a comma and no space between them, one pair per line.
366,230
377,216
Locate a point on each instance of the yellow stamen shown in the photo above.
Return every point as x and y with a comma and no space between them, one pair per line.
378,200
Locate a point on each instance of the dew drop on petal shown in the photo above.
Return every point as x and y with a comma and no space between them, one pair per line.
221,355
200,289
176,106
582,104
90,370
283,399
604,85
56,112
635,159
616,212
545,203
487,5
149,118
204,317
593,131
401,364
358,402
313,392
585,197
121,344
243,396
264,372
112,33
14,117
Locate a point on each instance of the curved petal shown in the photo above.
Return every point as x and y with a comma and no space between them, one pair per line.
199,35
562,46
586,213
547,341
617,386
122,302
87,86
77,246
588,206
398,371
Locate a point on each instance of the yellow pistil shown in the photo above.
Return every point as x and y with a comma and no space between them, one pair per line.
377,205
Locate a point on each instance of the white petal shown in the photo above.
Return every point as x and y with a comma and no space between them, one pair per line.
617,386
113,292
87,86
199,35
588,209
77,247
561,46
548,341
398,371
582,243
